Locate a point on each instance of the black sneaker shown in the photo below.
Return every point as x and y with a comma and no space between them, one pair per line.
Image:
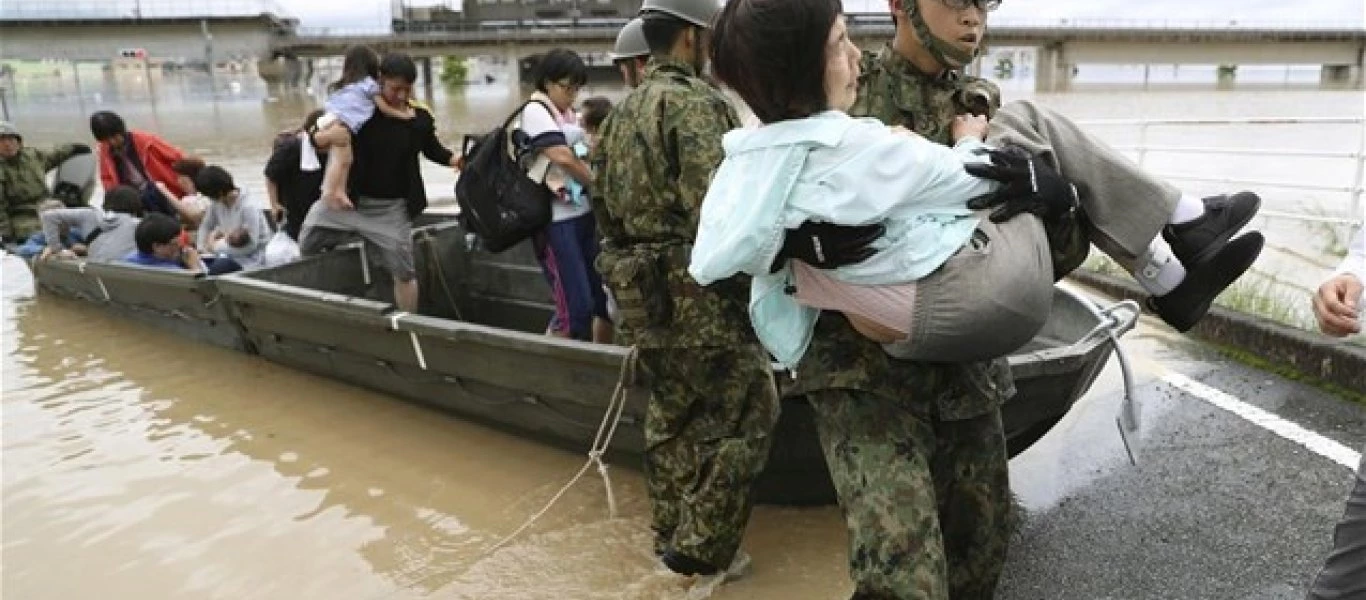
1184,306
1196,241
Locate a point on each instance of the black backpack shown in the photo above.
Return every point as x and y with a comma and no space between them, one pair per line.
498,201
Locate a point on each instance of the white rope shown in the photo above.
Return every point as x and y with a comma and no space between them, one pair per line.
601,441
364,266
80,267
412,336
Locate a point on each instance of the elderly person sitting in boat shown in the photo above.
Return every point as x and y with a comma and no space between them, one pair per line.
946,284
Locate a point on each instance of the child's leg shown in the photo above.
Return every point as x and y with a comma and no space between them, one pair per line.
337,139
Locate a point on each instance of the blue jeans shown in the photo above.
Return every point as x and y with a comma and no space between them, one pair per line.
566,250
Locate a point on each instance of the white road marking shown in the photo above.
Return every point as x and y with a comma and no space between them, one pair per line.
1318,444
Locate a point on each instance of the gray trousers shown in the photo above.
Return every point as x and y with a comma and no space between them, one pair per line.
1126,206
1343,576
995,294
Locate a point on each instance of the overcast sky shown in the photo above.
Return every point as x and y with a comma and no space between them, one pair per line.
375,13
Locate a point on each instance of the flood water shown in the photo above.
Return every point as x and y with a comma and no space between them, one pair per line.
140,465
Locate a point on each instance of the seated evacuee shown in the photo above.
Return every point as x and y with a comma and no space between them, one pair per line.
945,284
110,226
229,212
158,241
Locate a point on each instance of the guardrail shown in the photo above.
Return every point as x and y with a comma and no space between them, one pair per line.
1355,190
855,20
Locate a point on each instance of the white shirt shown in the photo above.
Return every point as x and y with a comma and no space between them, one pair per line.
534,121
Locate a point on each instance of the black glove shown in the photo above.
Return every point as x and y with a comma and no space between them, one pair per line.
79,149
1031,186
827,245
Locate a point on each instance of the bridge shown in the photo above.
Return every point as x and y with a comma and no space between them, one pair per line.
257,29
1061,45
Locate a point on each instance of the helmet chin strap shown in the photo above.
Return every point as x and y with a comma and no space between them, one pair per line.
947,54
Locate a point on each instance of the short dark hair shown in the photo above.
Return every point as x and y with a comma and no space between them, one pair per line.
123,199
106,124
214,182
398,64
557,65
155,228
772,53
595,111
190,166
661,31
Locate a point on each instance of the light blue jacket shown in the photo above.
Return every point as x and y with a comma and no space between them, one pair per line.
834,168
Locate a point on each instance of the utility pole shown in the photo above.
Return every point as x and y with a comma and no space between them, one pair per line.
208,56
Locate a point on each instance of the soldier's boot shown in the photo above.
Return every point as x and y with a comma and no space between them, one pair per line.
1211,260
687,565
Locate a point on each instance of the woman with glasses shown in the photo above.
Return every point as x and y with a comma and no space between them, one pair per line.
549,136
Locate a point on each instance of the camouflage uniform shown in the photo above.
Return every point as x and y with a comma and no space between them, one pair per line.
713,403
22,187
917,450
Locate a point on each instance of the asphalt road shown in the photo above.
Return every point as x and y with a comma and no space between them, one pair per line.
1218,505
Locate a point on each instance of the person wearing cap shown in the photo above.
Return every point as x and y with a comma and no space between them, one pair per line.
22,181
713,403
630,52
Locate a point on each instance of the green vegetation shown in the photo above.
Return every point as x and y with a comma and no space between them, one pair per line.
454,70
1267,297
1285,370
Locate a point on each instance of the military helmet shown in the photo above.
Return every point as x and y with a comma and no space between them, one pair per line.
7,129
630,41
697,12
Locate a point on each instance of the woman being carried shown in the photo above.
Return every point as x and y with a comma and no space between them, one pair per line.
945,285
353,101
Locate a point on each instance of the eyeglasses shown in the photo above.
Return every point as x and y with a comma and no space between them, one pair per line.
569,87
985,5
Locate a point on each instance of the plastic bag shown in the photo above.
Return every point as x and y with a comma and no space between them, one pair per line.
280,249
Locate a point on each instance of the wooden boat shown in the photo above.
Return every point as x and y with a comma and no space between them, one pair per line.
476,347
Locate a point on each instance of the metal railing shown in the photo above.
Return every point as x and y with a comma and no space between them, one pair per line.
19,10
1355,190
1349,29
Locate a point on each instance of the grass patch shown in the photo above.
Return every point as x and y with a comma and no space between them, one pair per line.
1100,263
1284,370
1266,297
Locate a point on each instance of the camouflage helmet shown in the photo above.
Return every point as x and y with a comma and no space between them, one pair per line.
697,12
7,129
630,41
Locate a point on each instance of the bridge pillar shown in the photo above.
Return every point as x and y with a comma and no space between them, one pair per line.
427,87
1341,75
513,59
1052,72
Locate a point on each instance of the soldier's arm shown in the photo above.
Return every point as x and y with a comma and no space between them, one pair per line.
693,147
56,156
609,227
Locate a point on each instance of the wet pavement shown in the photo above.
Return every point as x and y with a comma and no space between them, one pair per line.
1217,506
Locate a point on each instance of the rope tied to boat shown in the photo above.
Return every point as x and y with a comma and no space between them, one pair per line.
412,337
601,442
80,267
